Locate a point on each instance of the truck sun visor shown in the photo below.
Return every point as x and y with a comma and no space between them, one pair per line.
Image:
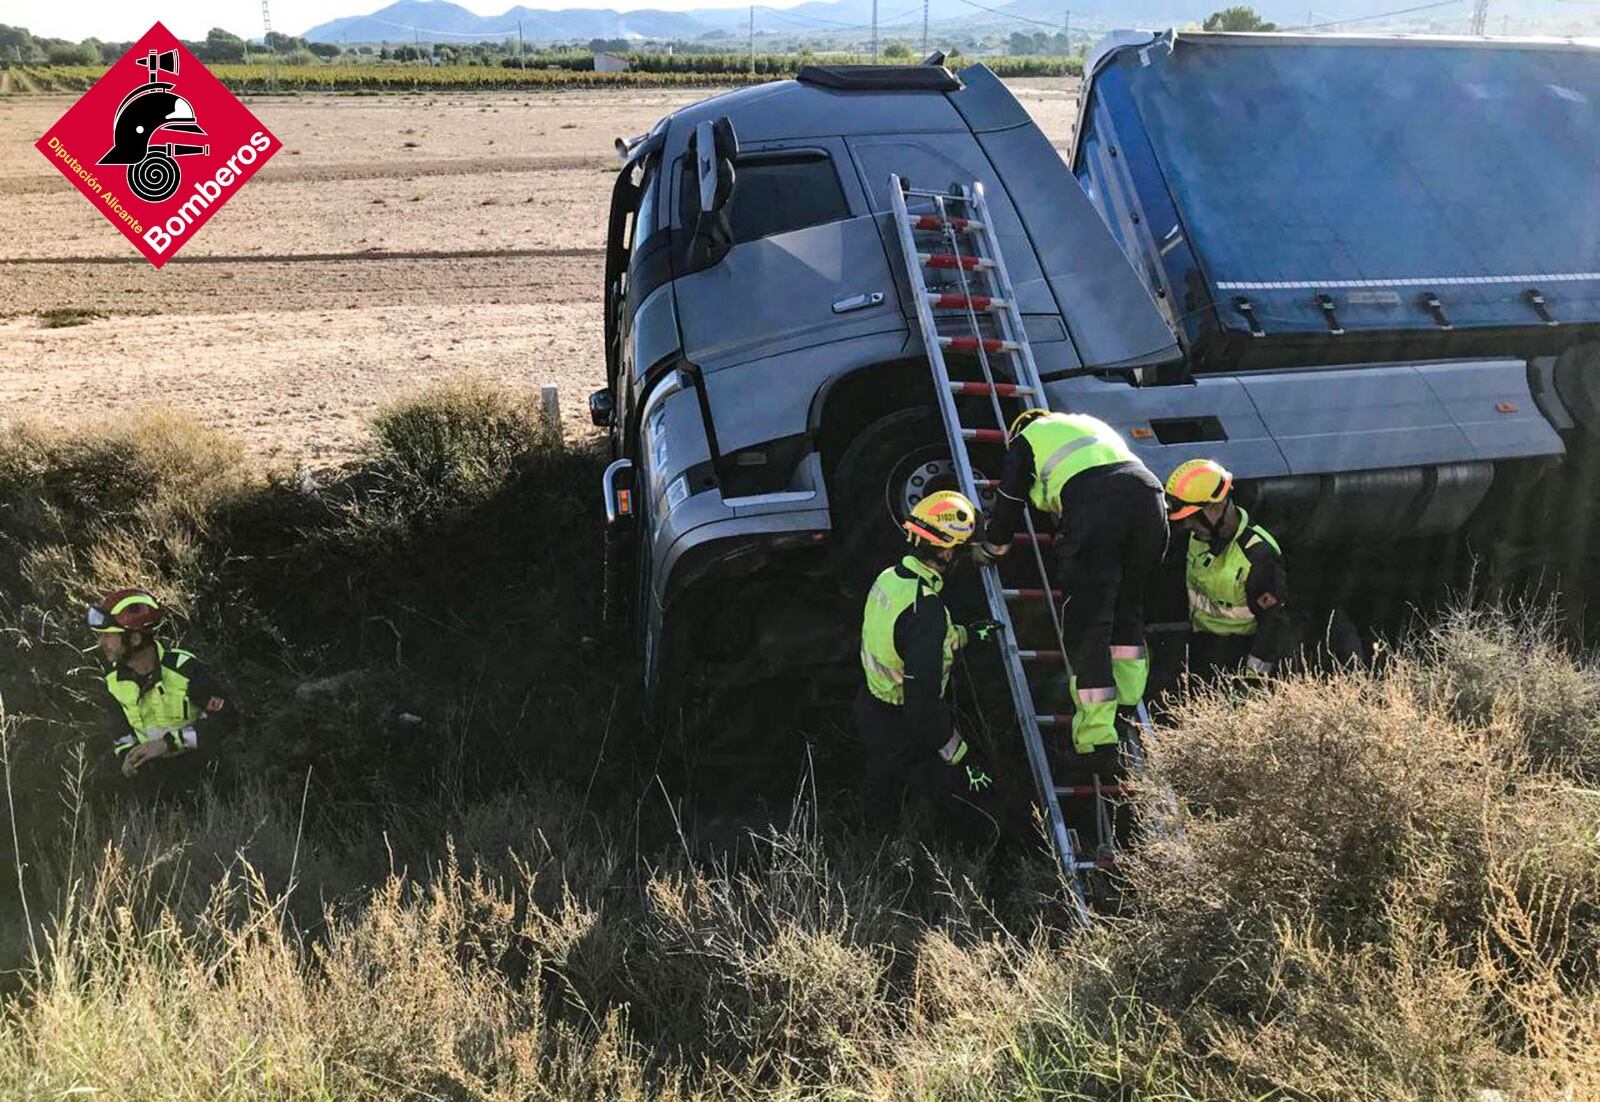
881,78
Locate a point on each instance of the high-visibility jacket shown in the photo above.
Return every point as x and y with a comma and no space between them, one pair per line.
1065,445
1219,603
892,594
161,710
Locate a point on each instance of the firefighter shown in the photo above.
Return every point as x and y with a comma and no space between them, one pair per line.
1238,589
1111,536
908,644
163,701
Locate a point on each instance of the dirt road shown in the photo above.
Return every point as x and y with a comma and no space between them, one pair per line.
395,241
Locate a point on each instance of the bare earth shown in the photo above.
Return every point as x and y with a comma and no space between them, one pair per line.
396,241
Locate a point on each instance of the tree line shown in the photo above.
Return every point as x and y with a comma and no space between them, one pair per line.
19,47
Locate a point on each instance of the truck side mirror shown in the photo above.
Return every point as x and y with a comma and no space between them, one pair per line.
713,147
603,408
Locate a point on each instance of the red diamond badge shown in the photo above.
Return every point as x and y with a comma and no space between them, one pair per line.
158,145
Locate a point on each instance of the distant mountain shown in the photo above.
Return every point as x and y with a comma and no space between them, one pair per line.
441,21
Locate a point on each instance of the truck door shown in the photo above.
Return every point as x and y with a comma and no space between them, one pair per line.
807,264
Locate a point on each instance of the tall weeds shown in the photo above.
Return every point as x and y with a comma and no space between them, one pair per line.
432,865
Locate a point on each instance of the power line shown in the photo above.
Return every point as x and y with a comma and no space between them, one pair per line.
1365,18
454,34
834,28
1030,19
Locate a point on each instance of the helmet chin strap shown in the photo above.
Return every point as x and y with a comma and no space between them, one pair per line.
1213,530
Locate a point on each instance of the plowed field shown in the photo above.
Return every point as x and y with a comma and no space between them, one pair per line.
395,241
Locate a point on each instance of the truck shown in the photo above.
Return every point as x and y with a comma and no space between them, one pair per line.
1362,272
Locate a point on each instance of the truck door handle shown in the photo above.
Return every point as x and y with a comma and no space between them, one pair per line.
858,302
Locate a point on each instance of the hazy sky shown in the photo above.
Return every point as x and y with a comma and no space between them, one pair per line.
119,20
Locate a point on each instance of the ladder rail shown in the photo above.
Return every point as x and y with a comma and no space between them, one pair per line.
1016,675
1009,317
1011,329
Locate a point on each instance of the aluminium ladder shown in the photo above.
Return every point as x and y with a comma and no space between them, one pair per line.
973,309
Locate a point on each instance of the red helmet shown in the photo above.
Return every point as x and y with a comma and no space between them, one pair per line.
125,610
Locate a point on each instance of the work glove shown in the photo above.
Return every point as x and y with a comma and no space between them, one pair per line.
977,778
1256,667
985,631
953,751
985,554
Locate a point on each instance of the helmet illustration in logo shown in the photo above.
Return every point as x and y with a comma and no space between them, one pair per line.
153,169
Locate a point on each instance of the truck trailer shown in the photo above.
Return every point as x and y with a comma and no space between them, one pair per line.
1384,318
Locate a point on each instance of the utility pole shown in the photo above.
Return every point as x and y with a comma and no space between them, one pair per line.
874,32
1480,18
924,28
522,58
752,40
1066,30
266,40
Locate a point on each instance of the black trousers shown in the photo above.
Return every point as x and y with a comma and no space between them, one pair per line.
1211,655
1112,538
903,776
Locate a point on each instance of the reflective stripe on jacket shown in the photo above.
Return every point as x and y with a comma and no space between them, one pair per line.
162,708
892,594
1065,445
1218,603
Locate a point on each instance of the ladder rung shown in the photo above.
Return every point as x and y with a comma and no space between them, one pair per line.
946,195
1039,655
972,344
1086,864
984,436
1029,594
950,260
950,300
1054,721
934,222
1091,790
1045,540
999,390
986,483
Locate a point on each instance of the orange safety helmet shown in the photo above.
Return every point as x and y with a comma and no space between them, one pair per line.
1196,484
944,519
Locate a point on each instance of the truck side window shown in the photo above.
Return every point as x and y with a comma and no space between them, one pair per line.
776,193
644,219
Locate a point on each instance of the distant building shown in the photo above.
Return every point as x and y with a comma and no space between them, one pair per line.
610,63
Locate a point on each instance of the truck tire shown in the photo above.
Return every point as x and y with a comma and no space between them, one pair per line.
890,465
868,490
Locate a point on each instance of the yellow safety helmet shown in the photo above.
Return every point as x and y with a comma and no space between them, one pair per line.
944,519
1195,484
1023,420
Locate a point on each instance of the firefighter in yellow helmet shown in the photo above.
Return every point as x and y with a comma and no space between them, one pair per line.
1111,528
1238,589
908,644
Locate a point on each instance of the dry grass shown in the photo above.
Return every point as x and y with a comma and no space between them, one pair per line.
1377,885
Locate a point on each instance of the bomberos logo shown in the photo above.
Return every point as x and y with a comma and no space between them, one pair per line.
158,145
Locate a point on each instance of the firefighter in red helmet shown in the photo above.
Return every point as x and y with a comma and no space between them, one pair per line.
163,702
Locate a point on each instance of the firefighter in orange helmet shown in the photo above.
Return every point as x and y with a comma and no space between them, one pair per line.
1238,589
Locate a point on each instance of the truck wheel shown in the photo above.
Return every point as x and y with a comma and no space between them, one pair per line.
891,465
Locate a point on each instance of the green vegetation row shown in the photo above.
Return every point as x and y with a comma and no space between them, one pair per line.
560,71
451,867
382,78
